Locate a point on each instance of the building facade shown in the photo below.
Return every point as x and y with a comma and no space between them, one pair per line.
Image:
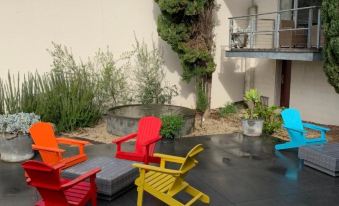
29,27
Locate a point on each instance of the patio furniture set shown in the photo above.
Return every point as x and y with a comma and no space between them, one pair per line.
76,180
315,152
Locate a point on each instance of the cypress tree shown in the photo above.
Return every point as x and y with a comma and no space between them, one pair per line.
330,19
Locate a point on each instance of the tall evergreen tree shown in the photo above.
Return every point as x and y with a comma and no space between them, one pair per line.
187,25
330,17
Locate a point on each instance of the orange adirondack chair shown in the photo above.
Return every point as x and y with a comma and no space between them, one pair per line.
56,191
47,144
146,137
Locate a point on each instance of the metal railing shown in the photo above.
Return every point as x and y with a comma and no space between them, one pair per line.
292,28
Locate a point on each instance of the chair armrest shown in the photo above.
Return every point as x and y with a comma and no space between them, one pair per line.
156,169
170,158
49,149
124,138
294,129
315,127
151,141
64,140
81,178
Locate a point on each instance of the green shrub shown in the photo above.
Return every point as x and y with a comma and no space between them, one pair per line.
149,76
68,96
272,118
227,110
202,101
112,79
69,99
75,94
256,110
171,126
252,98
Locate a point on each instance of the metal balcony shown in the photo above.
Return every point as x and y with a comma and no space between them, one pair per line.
293,34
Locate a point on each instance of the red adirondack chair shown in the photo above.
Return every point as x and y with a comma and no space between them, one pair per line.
56,191
146,137
47,144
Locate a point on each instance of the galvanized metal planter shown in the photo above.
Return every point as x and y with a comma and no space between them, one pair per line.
15,148
252,127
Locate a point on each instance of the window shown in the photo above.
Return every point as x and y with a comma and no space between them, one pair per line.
302,15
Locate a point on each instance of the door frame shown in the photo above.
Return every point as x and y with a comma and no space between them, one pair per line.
285,83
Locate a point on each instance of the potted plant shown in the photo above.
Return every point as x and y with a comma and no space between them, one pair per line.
15,142
171,126
252,123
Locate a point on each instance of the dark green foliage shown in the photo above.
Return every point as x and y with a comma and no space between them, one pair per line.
171,126
69,100
201,101
330,17
187,25
185,7
272,118
227,110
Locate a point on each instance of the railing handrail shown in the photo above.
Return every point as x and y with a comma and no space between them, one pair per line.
252,27
276,12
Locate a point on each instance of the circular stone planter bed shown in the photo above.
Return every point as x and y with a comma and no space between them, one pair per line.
123,120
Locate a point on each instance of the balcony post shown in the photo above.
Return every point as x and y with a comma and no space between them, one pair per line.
319,29
231,34
252,33
310,21
276,31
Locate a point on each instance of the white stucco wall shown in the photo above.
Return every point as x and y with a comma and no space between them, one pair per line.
29,26
265,79
312,95
265,69
229,77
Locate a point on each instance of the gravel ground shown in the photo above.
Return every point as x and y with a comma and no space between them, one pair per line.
212,124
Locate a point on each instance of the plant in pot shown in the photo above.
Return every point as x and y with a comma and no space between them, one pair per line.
171,126
252,123
15,142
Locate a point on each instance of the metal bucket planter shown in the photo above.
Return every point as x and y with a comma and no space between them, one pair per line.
16,148
252,127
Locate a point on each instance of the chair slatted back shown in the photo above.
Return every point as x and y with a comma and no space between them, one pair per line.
42,134
148,129
190,160
47,181
292,119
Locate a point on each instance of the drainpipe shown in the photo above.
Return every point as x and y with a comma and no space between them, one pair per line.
253,10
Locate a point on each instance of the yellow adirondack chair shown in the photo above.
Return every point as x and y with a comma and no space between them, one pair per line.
165,183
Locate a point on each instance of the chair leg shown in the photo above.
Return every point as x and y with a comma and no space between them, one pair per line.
287,145
140,196
194,192
94,199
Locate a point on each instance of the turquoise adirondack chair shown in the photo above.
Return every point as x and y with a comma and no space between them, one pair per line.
295,128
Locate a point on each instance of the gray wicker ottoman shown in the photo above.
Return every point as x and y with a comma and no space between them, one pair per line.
115,178
323,157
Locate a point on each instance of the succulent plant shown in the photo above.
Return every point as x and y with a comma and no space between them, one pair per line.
18,123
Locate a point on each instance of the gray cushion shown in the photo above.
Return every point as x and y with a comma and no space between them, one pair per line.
115,174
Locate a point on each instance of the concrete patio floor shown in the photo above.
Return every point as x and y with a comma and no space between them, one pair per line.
233,170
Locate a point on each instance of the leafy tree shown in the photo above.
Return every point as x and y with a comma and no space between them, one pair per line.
187,25
330,16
